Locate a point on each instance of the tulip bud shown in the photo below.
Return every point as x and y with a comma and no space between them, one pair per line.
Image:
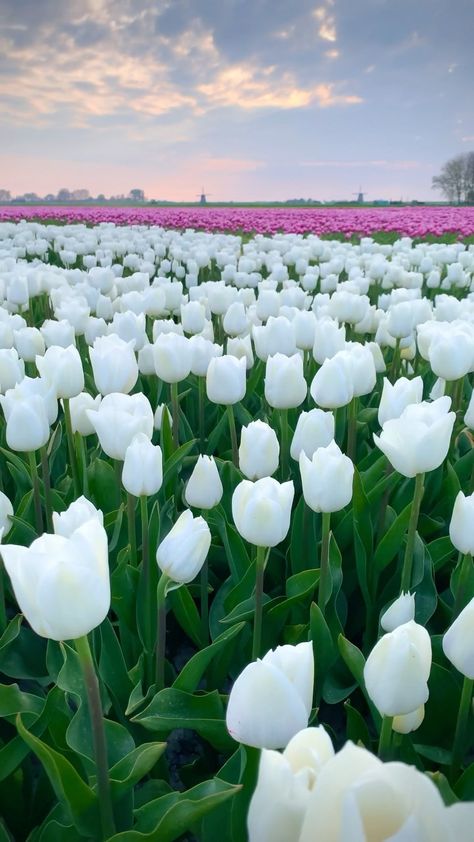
226,379
142,473
259,450
401,611
172,355
158,417
397,670
327,479
430,426
78,407
27,422
271,699
62,367
57,333
262,510
313,429
29,343
329,338
118,420
114,365
397,396
69,594
285,386
184,550
409,721
332,385
204,488
461,527
457,642
12,369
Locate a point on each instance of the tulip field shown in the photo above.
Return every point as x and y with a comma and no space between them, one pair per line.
237,525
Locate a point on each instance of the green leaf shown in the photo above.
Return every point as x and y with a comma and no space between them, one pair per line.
323,647
392,541
236,552
70,789
112,667
103,487
186,613
174,464
356,727
361,512
302,539
133,767
355,661
168,817
191,674
203,713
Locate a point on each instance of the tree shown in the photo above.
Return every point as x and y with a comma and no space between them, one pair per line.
456,179
136,195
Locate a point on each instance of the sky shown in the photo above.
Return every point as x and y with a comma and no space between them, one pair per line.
250,99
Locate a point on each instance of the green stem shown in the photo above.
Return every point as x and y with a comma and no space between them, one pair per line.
285,445
201,403
324,574
352,429
459,745
36,491
415,511
161,632
204,593
148,590
233,434
82,460
48,505
70,447
257,624
98,736
462,596
3,611
385,738
175,413
132,536
395,361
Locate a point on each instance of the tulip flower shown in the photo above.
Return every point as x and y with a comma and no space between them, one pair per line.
313,429
401,611
397,396
285,387
204,487
271,699
172,355
62,585
430,426
226,384
327,487
114,364
180,556
259,450
332,385
117,421
284,786
261,512
62,367
355,793
12,369
458,648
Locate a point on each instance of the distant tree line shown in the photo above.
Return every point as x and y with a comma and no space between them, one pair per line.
456,179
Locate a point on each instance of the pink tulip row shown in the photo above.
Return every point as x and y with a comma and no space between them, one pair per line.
410,221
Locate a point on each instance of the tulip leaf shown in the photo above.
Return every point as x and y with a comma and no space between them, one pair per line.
133,767
361,565
22,652
302,538
356,726
174,464
103,488
355,661
169,817
237,555
361,514
191,674
245,610
465,784
173,708
184,609
112,667
70,789
392,541
441,551
323,647
21,470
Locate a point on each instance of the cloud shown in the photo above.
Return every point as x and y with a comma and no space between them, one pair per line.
382,164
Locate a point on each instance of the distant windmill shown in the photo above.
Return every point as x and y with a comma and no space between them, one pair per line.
360,196
203,197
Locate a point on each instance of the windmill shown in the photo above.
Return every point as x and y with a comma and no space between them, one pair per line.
360,196
203,197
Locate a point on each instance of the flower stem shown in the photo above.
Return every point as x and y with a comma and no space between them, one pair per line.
36,491
161,632
132,536
82,461
462,595
204,592
415,511
98,736
285,445
201,396
233,434
3,610
324,575
257,624
70,447
148,589
395,361
385,738
47,489
352,429
175,413
459,745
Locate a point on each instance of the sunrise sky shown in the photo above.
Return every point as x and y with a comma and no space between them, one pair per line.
254,99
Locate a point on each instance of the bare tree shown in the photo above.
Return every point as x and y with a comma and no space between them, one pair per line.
456,179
